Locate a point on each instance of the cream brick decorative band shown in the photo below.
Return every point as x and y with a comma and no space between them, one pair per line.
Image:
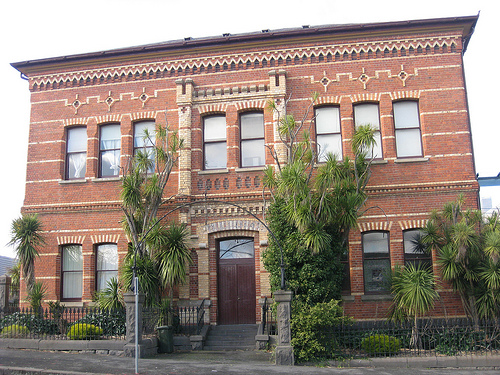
66,240
382,225
220,226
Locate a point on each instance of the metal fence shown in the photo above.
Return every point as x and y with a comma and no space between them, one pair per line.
432,337
63,323
268,323
184,320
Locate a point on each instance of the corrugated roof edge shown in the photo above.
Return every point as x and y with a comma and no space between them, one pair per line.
262,35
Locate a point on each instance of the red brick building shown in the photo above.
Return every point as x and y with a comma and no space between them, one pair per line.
406,78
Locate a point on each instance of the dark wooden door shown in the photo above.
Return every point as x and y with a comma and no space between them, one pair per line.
236,282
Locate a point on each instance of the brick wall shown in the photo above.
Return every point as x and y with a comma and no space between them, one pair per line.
179,90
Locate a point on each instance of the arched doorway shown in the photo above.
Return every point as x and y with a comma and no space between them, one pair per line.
236,281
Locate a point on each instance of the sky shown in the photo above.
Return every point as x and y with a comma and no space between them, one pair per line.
37,29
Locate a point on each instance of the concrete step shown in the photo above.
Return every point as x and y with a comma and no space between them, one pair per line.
231,337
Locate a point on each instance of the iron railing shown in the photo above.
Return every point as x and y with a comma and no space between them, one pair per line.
185,320
432,337
268,323
62,323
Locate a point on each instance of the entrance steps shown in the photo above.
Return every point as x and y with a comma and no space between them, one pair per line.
231,337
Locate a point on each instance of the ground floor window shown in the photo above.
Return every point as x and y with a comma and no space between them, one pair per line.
107,264
376,262
72,272
415,252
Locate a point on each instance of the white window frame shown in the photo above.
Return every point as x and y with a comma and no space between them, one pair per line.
76,153
328,132
215,139
71,273
252,144
369,114
109,148
407,129
106,264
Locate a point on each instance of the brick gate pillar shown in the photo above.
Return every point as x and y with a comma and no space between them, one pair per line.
284,349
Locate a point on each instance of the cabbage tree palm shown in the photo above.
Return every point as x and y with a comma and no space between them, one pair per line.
27,238
159,254
414,294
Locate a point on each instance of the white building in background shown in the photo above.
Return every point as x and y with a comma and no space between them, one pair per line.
489,193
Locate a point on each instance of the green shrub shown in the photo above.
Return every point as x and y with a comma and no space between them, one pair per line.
14,330
36,323
83,331
380,344
111,322
312,330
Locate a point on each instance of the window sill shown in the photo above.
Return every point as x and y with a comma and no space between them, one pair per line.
411,160
250,169
379,161
75,181
72,303
106,179
213,171
377,297
347,298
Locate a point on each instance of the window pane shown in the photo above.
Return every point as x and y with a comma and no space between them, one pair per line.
110,163
408,143
214,128
252,125
107,257
367,114
236,248
329,143
376,242
72,258
110,137
140,132
77,140
72,267
327,120
215,155
104,277
406,115
376,273
375,151
72,285
77,165
252,153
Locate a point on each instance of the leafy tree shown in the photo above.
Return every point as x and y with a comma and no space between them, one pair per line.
468,248
27,237
313,206
159,255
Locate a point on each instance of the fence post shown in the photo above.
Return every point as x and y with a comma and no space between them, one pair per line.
129,299
4,292
284,349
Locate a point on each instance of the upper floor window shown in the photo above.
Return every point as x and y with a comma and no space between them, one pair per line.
415,252
367,114
376,262
407,128
145,144
107,264
328,135
214,142
109,152
252,139
76,152
72,272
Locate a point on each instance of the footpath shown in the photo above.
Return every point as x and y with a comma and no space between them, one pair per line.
30,362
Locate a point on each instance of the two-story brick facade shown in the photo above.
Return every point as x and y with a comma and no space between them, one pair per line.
406,78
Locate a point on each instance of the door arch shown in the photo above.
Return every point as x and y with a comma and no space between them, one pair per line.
236,280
